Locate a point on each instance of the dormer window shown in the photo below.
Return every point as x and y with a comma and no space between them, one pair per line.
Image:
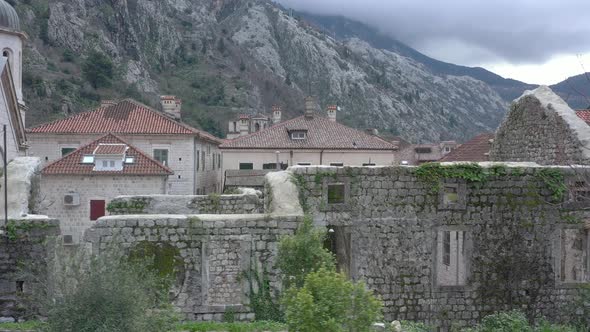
129,160
109,157
299,134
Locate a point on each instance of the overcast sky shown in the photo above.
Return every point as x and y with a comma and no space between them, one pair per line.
536,41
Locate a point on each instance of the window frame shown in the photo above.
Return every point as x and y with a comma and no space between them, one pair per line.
246,169
71,149
157,158
298,135
467,244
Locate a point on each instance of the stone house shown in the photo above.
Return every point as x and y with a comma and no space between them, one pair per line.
192,154
310,139
247,124
475,150
416,154
77,188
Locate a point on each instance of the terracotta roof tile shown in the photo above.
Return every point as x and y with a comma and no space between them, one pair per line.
72,163
110,149
584,115
321,134
125,117
476,149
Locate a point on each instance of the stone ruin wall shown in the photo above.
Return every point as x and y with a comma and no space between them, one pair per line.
243,203
532,132
25,243
389,230
210,253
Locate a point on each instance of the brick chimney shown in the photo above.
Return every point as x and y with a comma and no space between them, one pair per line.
244,125
276,114
332,110
107,103
309,107
171,106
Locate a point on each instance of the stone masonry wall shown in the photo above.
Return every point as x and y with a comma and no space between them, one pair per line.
541,128
176,204
506,237
210,253
24,245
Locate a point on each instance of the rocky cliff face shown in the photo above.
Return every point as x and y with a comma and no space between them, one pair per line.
224,57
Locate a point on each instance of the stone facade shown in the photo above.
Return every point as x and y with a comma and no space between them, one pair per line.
170,204
24,246
190,177
540,127
434,248
75,219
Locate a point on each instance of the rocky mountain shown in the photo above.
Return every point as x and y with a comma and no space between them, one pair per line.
575,91
225,57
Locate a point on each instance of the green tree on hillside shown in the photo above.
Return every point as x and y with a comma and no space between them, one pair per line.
98,70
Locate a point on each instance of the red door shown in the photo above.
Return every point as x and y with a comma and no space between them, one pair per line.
97,209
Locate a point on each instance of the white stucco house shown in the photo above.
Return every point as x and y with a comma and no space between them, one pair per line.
310,139
77,188
192,154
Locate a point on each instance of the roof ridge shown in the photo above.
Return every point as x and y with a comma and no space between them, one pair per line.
78,149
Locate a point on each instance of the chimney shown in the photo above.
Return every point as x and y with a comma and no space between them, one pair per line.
309,107
276,114
244,125
171,106
332,110
372,131
107,103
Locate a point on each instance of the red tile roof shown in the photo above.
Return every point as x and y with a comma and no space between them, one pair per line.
584,115
125,117
321,134
72,163
476,149
110,149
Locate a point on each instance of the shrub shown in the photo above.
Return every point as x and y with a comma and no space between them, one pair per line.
98,69
109,293
303,253
329,302
516,321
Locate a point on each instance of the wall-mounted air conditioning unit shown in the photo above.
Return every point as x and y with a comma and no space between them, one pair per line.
72,199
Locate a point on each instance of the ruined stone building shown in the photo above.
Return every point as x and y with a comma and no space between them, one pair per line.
192,154
540,127
247,124
77,188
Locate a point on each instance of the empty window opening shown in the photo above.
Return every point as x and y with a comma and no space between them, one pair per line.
369,164
336,193
339,244
304,164
68,239
450,195
451,260
423,150
581,191
337,164
20,286
574,256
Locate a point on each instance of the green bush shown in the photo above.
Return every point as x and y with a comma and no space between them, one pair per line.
516,321
111,293
98,69
328,302
303,253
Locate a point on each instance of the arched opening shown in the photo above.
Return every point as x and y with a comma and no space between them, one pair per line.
7,53
257,127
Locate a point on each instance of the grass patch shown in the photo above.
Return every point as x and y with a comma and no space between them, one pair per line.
232,327
25,326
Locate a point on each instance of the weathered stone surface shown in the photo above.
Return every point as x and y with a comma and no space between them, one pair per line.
542,128
23,185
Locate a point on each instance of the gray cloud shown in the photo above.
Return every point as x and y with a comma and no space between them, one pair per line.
472,32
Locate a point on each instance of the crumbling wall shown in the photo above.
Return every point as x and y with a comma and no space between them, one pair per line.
210,254
24,247
177,204
499,233
540,127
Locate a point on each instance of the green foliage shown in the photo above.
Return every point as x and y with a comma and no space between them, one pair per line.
303,253
581,307
163,258
301,184
214,205
68,55
329,302
263,301
516,321
257,326
433,173
109,293
409,326
554,181
133,206
16,230
98,69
